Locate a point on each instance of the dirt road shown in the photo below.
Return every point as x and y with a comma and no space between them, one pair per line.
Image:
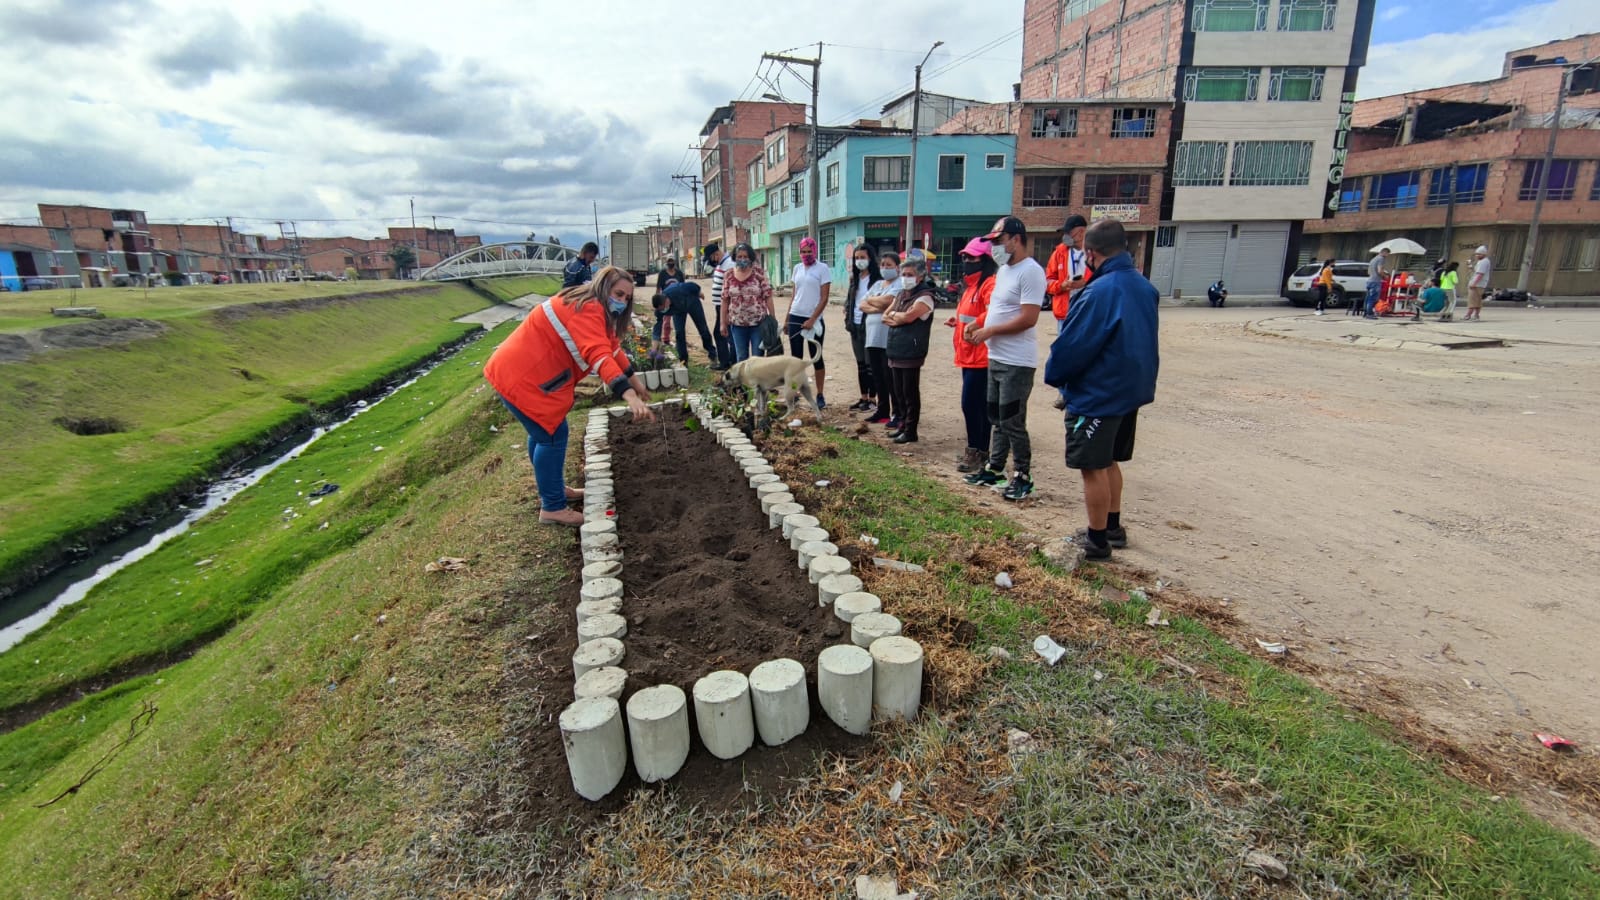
1427,517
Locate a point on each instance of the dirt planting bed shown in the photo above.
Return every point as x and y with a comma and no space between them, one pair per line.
707,586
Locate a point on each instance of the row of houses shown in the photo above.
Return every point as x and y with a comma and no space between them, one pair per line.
1224,134
89,246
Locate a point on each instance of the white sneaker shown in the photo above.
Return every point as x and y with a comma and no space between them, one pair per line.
1319,312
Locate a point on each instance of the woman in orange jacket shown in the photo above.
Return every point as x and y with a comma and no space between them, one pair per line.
575,333
978,269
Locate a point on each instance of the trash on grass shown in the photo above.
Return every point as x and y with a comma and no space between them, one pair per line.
896,565
326,489
1019,743
895,791
1000,653
1266,865
1273,647
1049,649
1555,741
1003,581
446,564
795,423
869,539
824,483
1155,617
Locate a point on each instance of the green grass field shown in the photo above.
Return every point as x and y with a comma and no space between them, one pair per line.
181,403
508,289
356,732
20,312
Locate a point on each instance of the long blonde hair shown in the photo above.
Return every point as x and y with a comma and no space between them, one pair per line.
598,289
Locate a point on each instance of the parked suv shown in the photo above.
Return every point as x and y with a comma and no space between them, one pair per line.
1349,280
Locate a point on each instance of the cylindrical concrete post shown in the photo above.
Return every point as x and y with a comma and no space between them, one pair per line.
777,513
602,554
723,715
601,589
595,655
835,586
771,487
658,731
844,687
848,606
777,499
588,609
808,535
798,520
607,625
757,479
752,453
594,460
823,566
778,698
896,678
869,627
597,750
813,549
606,681
595,570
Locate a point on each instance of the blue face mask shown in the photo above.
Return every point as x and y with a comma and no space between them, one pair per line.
617,307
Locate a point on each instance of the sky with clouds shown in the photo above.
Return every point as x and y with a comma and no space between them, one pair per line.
505,117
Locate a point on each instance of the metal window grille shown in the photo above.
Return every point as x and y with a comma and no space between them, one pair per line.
1052,122
1199,163
825,245
1166,235
833,179
1133,122
1508,246
1271,163
952,172
1076,9
1105,189
994,161
1296,83
797,193
886,173
1350,194
1563,178
1395,190
1046,190
1468,185
1594,192
1306,15
1218,83
1589,255
1230,15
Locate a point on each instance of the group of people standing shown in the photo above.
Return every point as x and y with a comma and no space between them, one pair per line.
1439,295
1103,360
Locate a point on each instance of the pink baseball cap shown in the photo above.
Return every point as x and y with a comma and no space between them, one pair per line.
976,247
807,244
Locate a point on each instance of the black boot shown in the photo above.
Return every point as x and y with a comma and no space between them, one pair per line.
907,435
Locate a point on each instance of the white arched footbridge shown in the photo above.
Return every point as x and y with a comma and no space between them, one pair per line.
510,258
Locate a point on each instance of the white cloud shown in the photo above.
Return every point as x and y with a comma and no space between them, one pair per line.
1391,13
1473,53
508,111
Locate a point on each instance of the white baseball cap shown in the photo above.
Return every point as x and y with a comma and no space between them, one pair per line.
1482,248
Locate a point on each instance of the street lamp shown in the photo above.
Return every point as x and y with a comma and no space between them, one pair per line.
916,126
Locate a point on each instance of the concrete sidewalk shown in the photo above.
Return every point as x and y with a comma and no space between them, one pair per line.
492,317
1572,327
1284,303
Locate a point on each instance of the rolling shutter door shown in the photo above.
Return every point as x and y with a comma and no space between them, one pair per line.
1200,257
1258,262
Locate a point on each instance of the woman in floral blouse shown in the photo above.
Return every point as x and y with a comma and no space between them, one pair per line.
746,300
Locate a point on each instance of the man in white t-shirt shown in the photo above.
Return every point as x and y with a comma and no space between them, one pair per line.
813,280
1478,284
721,264
1019,288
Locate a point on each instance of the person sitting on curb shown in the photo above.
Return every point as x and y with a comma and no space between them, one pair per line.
1107,359
1217,294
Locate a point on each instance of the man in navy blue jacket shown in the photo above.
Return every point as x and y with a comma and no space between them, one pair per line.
1106,359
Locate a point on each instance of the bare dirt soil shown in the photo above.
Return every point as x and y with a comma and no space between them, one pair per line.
1423,528
707,586
77,336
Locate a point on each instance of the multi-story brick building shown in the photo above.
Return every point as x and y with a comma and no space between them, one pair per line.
731,139
1460,166
1211,127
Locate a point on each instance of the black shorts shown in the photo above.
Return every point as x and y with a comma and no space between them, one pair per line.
1096,443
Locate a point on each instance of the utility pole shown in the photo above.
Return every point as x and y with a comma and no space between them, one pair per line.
227,250
816,79
596,205
916,127
1526,272
416,250
693,181
1449,211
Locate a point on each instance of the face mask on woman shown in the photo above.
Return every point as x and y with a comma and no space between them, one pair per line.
809,259
617,307
861,265
907,282
971,266
741,264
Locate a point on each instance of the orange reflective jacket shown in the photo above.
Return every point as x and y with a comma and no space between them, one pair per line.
974,307
540,364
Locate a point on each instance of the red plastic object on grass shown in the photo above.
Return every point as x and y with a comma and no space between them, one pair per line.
1555,741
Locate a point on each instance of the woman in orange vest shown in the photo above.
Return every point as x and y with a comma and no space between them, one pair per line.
575,333
977,269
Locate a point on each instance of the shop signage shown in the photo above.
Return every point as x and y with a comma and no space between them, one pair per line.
1122,212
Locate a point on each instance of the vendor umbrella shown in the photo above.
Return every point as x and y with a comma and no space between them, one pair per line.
1400,245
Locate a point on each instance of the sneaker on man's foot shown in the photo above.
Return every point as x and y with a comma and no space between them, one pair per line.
1060,402
1116,537
1020,488
986,477
1091,550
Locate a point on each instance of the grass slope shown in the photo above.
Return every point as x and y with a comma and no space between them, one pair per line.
321,750
216,380
19,312
508,289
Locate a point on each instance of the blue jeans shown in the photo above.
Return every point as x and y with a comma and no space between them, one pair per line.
1061,325
1373,290
975,407
548,453
746,341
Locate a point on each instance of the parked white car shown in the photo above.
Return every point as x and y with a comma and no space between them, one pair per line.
1349,280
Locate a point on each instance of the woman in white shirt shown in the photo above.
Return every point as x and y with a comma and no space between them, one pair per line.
865,274
876,338
812,281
